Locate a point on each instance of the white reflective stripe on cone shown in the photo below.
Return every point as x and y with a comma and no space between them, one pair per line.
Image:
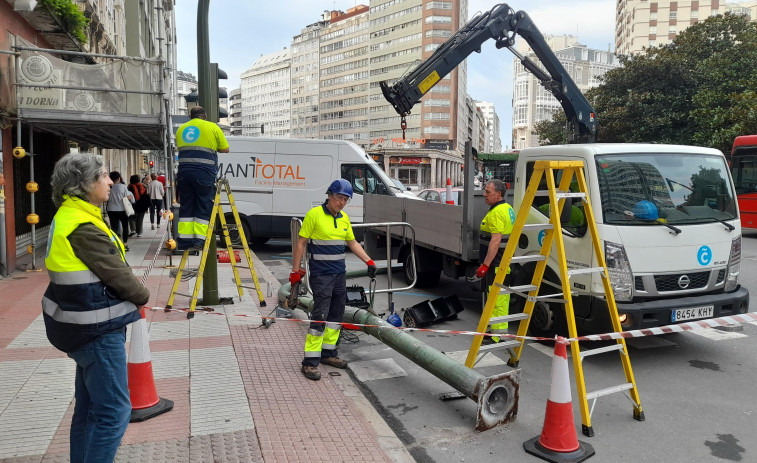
139,347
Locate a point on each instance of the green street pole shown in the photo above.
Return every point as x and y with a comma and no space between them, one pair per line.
205,84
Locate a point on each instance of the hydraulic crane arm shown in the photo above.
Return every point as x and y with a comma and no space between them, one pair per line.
502,23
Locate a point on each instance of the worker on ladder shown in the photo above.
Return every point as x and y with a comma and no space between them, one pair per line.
325,231
495,227
198,141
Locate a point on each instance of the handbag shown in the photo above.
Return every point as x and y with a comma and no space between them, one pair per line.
127,206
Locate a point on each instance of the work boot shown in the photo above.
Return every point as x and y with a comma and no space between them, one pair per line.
152,226
335,362
311,372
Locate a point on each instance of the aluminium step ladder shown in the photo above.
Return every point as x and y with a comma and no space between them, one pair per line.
222,184
553,234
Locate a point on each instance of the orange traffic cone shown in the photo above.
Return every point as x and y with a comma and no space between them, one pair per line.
145,402
558,441
450,199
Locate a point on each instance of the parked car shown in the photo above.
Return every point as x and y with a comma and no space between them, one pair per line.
439,195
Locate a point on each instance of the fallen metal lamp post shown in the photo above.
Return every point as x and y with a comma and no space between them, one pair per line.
496,396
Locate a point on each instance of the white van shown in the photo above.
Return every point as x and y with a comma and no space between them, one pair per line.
275,179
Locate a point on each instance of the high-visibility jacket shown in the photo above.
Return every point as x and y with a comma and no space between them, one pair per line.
499,219
197,141
328,235
77,306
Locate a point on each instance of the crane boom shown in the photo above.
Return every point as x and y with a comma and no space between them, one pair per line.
502,24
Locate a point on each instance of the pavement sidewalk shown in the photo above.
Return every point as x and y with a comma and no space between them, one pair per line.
237,389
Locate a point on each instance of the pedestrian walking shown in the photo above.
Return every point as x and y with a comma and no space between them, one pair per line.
92,296
156,192
495,227
198,142
141,203
119,221
325,231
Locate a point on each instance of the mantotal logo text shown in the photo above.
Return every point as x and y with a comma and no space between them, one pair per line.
263,174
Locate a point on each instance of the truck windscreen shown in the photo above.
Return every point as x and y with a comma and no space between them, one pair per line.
638,189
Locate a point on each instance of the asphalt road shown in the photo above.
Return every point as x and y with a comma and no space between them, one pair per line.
695,387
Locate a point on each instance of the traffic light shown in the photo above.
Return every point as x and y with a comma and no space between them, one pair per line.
216,93
152,163
143,162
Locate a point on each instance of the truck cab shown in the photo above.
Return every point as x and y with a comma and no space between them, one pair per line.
669,226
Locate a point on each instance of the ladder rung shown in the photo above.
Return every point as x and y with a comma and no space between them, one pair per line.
241,266
608,391
248,287
516,289
508,318
499,345
537,226
532,258
561,194
549,298
183,294
579,271
600,350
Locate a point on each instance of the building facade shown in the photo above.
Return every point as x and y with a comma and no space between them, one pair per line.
642,24
533,103
266,91
305,75
337,63
235,112
79,115
493,142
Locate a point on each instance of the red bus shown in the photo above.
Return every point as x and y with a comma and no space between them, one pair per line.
744,172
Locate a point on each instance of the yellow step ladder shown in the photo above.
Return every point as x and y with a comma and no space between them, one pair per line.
553,234
221,185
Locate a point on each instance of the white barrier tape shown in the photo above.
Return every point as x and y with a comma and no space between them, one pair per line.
154,258
677,328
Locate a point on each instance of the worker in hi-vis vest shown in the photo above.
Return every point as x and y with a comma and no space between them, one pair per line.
325,231
198,142
495,227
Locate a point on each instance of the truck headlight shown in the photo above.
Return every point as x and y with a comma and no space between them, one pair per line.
734,265
619,269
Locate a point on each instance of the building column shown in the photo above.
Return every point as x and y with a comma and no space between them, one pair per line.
432,180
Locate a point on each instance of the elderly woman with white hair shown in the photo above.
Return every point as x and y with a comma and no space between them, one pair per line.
92,296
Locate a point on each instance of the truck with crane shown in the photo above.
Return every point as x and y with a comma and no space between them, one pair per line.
666,215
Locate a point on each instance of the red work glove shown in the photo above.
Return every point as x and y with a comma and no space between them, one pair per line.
371,268
481,272
296,277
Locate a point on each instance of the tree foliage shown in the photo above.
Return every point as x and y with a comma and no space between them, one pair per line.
701,89
553,131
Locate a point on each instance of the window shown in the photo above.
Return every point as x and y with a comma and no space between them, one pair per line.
652,29
439,5
673,15
438,33
363,179
694,14
431,46
439,19
672,30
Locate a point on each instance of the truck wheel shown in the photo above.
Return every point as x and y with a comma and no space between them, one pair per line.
547,318
425,279
234,233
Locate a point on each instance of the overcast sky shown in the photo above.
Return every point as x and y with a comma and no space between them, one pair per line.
241,31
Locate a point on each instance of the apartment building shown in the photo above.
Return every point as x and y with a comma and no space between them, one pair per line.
403,33
493,143
642,24
533,103
305,74
235,112
266,91
344,71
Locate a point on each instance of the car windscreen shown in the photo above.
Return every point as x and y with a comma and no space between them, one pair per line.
672,188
